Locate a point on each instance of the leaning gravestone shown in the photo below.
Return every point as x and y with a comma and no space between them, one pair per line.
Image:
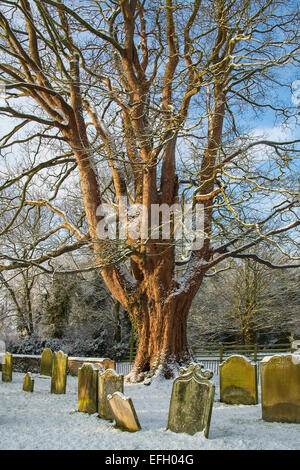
280,388
88,388
238,381
28,383
109,382
7,368
46,362
191,401
59,373
124,412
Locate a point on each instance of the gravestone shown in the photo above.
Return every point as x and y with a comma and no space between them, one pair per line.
46,362
88,388
280,388
2,353
7,368
191,401
28,383
102,363
59,373
124,412
238,381
99,367
109,382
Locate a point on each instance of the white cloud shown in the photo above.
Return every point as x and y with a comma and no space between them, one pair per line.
280,133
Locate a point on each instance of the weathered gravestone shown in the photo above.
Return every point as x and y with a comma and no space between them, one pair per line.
2,353
7,368
46,362
88,388
124,412
109,382
191,401
238,381
102,363
28,383
280,388
59,373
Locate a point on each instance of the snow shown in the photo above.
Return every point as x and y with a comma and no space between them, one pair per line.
267,358
41,420
120,394
65,121
238,355
85,359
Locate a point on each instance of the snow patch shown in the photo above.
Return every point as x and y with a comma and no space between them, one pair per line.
120,394
238,355
296,358
46,421
268,358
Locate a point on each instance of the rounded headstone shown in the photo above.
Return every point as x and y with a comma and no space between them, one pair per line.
88,388
7,368
280,388
46,362
59,373
238,381
28,383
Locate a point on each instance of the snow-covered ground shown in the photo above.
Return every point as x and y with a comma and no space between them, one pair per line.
40,420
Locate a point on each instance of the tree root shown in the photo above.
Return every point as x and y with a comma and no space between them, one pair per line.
163,368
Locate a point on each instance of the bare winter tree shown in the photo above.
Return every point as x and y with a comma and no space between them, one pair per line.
157,102
248,304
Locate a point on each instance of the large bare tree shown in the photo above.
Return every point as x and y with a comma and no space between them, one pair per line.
159,103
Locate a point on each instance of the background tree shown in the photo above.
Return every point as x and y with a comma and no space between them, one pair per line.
145,101
246,304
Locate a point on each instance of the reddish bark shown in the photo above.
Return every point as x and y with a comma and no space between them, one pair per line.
157,305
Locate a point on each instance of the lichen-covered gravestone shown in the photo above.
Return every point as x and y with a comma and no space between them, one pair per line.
280,388
7,368
28,383
238,381
59,373
88,388
124,412
191,401
109,382
46,362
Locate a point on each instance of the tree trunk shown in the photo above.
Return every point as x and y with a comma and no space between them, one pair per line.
161,328
117,326
249,335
